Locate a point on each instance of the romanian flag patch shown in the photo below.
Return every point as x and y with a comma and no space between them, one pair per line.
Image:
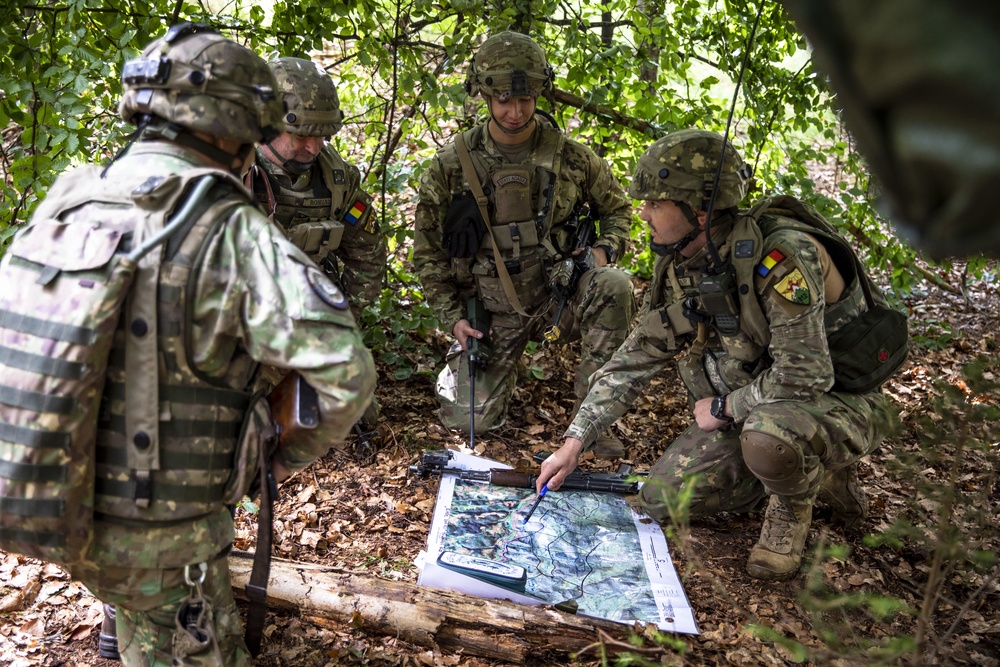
357,210
769,262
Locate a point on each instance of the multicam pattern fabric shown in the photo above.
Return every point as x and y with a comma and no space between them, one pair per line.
331,190
495,67
786,394
603,305
251,303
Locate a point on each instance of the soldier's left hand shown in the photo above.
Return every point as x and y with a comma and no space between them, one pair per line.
600,256
703,416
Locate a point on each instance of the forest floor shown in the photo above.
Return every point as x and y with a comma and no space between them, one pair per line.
860,599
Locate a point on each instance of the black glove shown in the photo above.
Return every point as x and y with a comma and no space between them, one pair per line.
463,227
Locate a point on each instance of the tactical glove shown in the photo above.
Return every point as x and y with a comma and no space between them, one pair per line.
464,228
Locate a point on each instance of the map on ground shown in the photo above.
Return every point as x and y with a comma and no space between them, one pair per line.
581,550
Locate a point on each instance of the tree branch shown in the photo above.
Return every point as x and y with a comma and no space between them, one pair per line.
639,125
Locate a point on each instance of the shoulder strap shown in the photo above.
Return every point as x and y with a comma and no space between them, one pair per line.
748,245
481,201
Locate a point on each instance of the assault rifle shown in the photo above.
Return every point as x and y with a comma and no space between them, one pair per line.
294,407
435,462
478,351
566,276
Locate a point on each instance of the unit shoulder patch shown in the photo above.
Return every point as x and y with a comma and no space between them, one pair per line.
793,287
325,288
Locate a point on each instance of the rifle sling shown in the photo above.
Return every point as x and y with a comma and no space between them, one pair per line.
256,587
477,190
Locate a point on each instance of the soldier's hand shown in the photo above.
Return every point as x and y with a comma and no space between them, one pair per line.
561,463
462,330
703,416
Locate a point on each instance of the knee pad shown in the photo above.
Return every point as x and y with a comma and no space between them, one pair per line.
776,463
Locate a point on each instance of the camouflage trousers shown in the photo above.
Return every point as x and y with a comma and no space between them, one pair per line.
148,602
830,433
599,314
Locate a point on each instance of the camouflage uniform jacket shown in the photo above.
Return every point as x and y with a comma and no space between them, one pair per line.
793,288
582,177
252,298
330,191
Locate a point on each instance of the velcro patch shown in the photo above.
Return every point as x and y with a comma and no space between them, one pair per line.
769,262
325,289
355,212
793,287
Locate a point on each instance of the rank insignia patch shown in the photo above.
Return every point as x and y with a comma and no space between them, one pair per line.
793,288
357,210
324,288
769,262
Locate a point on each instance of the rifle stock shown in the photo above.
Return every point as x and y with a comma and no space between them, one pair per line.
294,407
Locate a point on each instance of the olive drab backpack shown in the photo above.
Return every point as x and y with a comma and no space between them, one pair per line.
867,350
66,278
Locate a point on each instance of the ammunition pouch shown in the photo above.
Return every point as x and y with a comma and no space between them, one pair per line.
464,227
317,238
513,237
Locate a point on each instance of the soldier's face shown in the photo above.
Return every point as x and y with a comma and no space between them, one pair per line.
514,112
297,147
667,223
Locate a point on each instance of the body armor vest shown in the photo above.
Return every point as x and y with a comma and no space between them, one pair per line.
313,219
521,217
183,472
719,364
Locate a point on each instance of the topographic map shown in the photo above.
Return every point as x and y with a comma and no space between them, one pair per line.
586,551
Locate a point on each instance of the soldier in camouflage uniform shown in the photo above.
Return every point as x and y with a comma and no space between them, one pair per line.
536,181
251,298
766,419
315,196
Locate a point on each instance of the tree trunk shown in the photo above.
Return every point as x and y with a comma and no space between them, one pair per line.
452,622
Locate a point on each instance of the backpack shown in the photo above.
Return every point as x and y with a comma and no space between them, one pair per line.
866,351
66,277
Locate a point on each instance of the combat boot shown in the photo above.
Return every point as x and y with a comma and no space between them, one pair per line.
608,446
778,553
107,641
841,491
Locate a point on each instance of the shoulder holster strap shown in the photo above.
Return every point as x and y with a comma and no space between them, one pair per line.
481,201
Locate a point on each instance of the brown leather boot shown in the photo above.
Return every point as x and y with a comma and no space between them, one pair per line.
107,641
608,446
778,553
842,492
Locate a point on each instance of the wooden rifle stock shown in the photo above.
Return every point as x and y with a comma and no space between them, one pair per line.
294,407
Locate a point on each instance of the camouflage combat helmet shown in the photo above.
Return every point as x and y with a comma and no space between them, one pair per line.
509,65
198,79
681,167
312,107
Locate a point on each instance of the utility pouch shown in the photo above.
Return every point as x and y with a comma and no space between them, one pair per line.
515,237
718,297
512,194
869,349
679,322
317,238
530,284
464,227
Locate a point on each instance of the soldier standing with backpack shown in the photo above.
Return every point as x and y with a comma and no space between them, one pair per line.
784,404
176,436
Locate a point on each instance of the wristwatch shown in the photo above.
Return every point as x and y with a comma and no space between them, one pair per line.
718,408
609,251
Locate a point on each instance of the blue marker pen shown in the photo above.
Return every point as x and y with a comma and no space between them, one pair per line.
534,505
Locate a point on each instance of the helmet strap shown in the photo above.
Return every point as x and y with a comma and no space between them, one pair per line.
693,221
293,167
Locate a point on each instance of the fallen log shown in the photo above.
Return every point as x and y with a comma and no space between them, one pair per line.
451,622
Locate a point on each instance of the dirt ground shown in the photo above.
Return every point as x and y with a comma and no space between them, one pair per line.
855,600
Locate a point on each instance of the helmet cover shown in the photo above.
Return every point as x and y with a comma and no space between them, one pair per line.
681,167
507,65
312,107
198,79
